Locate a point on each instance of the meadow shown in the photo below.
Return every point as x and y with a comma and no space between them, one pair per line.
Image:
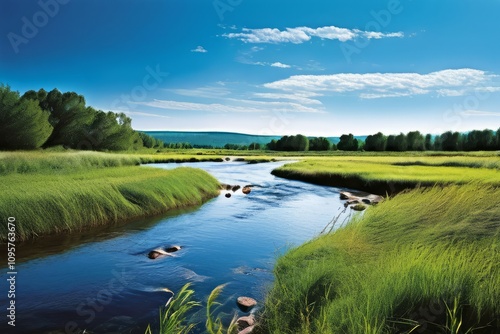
393,173
54,192
426,260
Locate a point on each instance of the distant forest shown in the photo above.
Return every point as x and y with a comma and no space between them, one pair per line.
46,119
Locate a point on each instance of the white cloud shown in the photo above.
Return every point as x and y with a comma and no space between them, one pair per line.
452,82
205,92
242,106
199,49
300,97
303,34
483,113
280,65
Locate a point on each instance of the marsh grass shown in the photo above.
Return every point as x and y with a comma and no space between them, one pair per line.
173,317
427,259
62,192
392,174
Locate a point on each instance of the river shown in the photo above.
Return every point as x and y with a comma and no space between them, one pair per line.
102,280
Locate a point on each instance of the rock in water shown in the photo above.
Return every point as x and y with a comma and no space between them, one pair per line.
358,207
247,330
156,253
246,190
173,249
345,195
246,303
244,322
227,195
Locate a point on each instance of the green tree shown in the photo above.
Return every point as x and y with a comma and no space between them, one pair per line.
300,143
147,140
23,124
68,115
254,146
416,141
291,143
450,141
498,139
376,142
391,143
319,144
438,144
272,145
428,142
348,143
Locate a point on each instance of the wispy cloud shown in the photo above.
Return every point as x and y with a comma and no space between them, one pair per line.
480,113
204,92
236,106
247,57
300,35
451,82
300,97
199,49
280,65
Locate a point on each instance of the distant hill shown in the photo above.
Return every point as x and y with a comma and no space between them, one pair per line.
219,139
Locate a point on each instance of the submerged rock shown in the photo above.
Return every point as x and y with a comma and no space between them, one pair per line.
173,249
159,252
247,330
156,253
246,190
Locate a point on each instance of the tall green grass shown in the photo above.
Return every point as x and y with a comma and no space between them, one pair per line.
173,317
381,174
71,199
53,161
427,259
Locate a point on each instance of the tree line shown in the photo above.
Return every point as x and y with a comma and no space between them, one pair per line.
476,140
46,119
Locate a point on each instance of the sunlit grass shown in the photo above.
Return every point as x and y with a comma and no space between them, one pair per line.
56,192
428,257
173,317
408,170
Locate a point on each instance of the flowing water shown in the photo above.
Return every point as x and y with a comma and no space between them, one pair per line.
102,281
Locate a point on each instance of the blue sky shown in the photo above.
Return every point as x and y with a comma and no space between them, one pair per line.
264,67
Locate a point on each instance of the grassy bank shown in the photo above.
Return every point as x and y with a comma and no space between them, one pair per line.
381,174
56,192
427,259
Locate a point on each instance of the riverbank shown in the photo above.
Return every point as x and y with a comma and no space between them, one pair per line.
62,192
393,174
426,259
